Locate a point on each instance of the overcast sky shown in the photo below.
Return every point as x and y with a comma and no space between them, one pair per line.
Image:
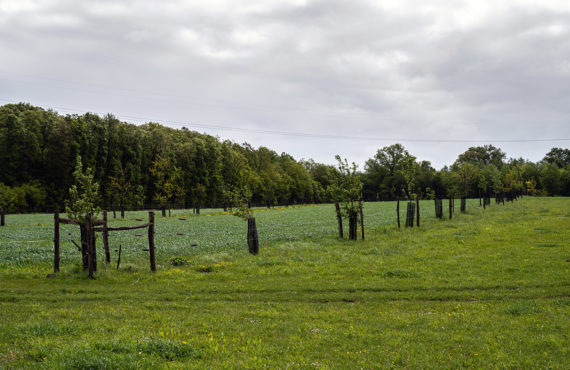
311,78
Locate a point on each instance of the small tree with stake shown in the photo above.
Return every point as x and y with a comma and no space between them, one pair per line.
409,170
239,199
346,192
83,196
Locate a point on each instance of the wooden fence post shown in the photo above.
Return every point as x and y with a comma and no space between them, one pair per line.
418,210
105,235
361,219
398,210
2,217
252,237
339,220
450,209
90,246
56,242
151,241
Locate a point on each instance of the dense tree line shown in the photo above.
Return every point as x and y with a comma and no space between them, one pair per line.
136,166
153,165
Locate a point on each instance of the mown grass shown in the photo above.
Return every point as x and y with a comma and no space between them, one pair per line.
485,289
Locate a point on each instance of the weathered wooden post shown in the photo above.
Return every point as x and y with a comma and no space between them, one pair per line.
119,257
463,204
361,219
450,209
252,238
90,246
56,242
105,235
151,241
339,220
398,210
417,210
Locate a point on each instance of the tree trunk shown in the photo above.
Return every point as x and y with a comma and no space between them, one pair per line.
438,208
450,209
463,204
410,213
352,225
122,211
84,253
91,253
339,220
2,218
85,247
163,209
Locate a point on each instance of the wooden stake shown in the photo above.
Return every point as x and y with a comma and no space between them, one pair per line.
151,241
418,210
56,242
106,238
252,237
361,220
398,211
119,258
450,209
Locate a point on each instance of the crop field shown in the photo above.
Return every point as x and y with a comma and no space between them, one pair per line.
28,238
489,288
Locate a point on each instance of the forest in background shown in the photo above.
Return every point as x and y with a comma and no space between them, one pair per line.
151,166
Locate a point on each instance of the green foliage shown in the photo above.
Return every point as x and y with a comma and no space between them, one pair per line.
38,148
482,156
347,187
167,180
83,195
238,201
178,261
558,156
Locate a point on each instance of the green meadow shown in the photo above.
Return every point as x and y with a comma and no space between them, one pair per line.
488,288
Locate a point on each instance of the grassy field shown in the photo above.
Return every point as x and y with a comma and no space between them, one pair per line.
486,289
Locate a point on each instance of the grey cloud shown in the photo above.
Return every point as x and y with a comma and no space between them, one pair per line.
354,68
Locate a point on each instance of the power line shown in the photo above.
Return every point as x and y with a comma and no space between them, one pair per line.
311,135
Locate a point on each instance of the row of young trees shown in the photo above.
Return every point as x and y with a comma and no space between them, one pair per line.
152,165
481,171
